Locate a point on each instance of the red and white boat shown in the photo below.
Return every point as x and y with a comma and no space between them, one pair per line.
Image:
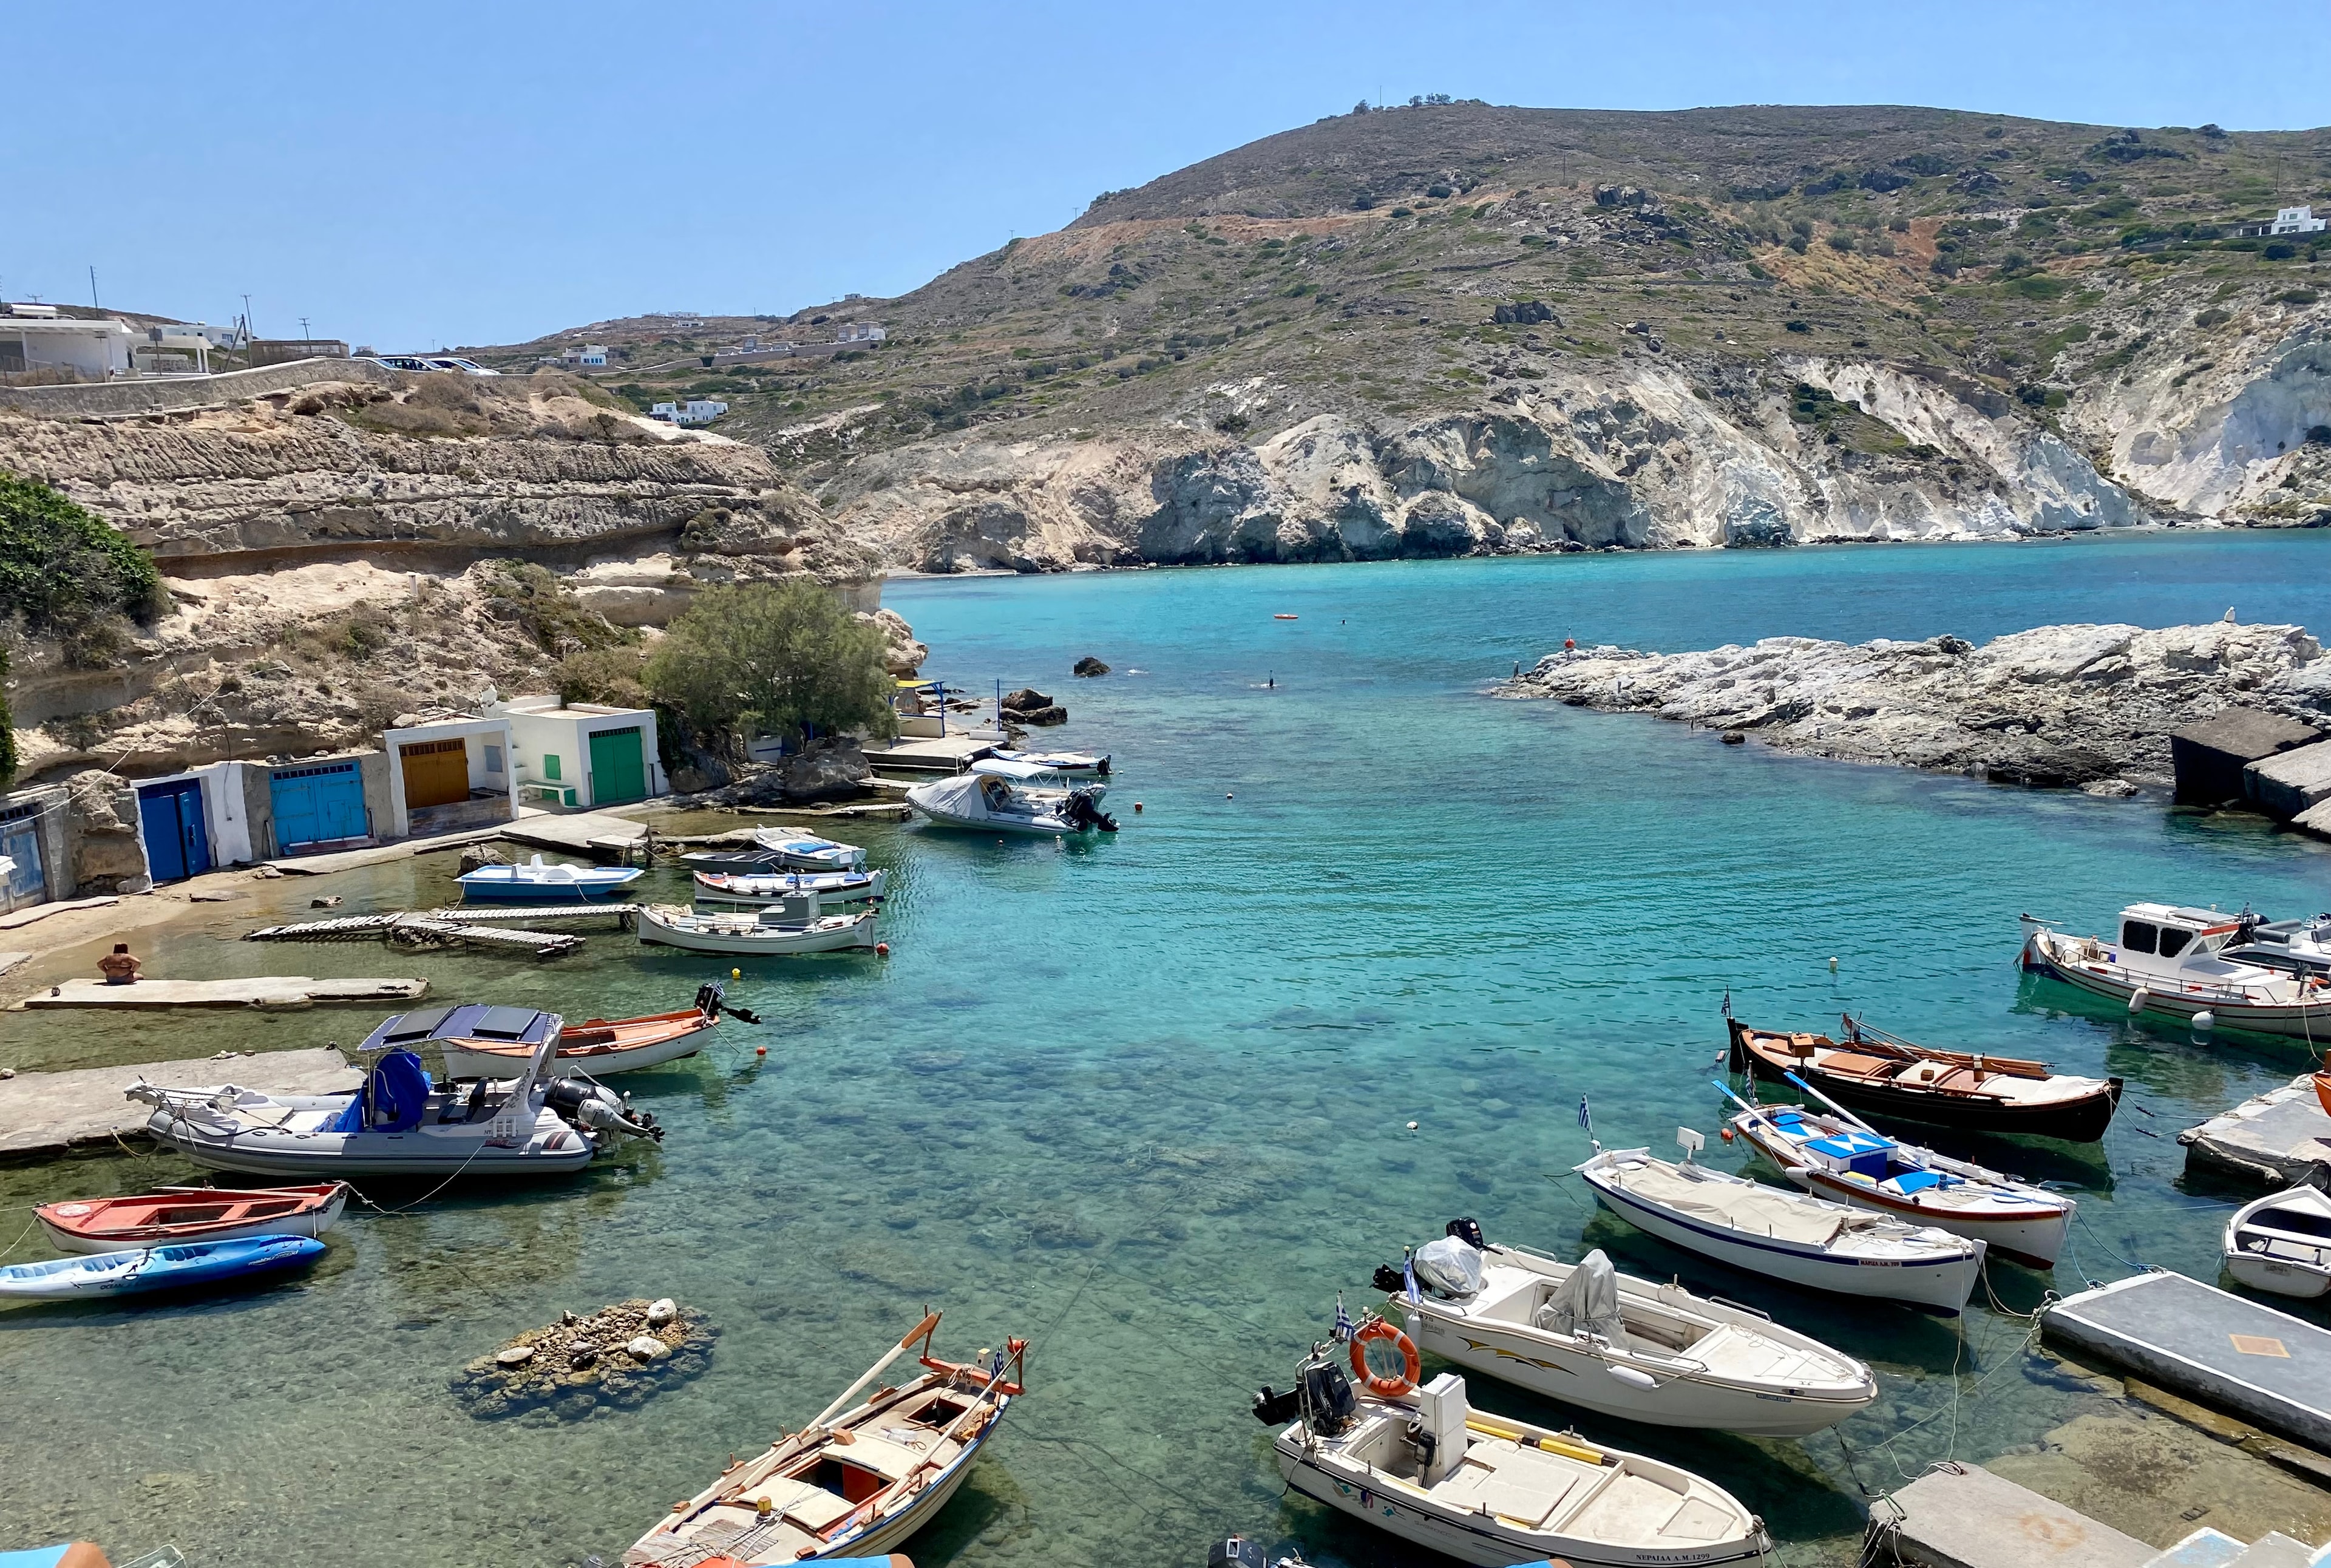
180,1214
596,1045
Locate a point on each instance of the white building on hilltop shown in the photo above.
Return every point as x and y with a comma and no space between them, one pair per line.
695,411
2298,221
861,332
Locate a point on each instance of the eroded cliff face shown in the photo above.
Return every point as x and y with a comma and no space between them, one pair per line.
1650,455
330,570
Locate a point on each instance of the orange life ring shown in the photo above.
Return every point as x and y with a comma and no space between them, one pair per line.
1385,1387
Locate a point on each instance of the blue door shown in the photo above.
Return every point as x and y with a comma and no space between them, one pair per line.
178,844
316,804
20,841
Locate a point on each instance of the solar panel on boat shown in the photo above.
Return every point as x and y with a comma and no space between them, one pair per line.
505,1023
415,1025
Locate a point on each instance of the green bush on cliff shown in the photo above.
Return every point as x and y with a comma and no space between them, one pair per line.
65,573
769,657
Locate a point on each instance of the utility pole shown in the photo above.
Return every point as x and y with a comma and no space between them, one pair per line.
247,330
92,289
303,329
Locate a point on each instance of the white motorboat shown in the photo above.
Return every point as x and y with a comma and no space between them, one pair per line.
400,1123
2282,1243
751,890
546,882
2299,947
2172,961
1785,1235
767,933
1588,1335
856,1482
784,850
1421,1465
1067,763
1849,1162
1006,797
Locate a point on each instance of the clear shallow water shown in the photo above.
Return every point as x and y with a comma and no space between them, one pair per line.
1145,1100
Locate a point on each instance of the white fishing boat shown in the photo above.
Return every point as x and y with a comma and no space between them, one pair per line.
1589,1336
1785,1235
1421,1465
1067,763
1847,1161
854,1483
400,1123
1008,797
538,881
2298,947
754,890
2171,960
765,934
2282,1243
785,850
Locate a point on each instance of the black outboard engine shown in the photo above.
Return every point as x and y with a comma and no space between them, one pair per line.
1389,1279
1277,1408
1328,1397
1237,1552
596,1109
1468,1230
1083,811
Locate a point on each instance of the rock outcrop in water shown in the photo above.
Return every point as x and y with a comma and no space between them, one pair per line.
2082,706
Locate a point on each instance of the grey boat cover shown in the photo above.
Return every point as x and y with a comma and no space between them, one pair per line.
1587,1302
1450,1267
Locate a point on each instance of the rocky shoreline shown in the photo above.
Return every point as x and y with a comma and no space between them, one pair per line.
2084,707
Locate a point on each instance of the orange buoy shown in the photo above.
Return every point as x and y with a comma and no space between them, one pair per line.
1726,1135
881,950
1282,617
1411,1365
760,1050
1136,808
1569,643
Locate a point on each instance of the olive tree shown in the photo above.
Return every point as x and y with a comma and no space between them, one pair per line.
771,658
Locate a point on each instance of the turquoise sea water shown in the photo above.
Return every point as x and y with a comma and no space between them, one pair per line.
1145,1100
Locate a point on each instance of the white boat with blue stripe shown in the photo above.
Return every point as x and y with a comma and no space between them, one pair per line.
1785,1235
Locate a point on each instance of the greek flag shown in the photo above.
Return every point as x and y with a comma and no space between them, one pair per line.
1408,1277
1344,1326
1586,1116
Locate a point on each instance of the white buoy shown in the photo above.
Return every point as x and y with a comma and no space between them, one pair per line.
1832,965
2138,998
1411,1127
2205,1019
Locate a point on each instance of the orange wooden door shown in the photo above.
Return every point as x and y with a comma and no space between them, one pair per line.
436,773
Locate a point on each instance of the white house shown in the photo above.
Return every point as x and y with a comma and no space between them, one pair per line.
695,411
34,338
453,773
582,755
2297,220
585,357
861,332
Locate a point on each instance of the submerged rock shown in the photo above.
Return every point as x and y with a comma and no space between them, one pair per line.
2058,707
1090,666
571,1370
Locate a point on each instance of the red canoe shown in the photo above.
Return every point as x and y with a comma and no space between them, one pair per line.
192,1214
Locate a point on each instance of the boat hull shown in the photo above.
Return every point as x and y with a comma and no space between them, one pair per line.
858,931
1472,1537
310,1220
1024,827
1940,1286
138,1270
2077,1121
2033,1236
2297,1021
337,1154
467,1061
1576,1378
830,887
2276,1277
898,1529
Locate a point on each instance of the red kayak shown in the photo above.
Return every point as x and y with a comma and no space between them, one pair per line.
175,1214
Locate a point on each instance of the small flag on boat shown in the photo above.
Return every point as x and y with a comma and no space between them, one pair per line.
1728,1001
1344,1326
1586,1117
1408,1277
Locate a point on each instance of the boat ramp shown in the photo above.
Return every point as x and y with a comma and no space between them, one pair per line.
47,1113
492,928
2204,1344
2279,1138
273,992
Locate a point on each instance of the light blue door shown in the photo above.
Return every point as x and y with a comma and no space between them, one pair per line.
316,804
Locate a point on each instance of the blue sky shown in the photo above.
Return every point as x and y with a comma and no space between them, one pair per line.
427,174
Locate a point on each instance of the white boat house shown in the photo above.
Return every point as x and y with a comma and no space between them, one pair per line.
582,755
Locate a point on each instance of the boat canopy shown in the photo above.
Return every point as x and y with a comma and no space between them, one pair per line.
463,1021
1026,772
957,797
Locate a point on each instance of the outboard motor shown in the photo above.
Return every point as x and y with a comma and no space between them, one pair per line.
1329,1401
1468,1230
1274,1409
597,1109
1237,1552
1083,811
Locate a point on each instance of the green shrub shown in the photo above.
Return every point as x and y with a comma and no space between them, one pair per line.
2279,250
66,574
2298,297
770,657
1841,240
604,675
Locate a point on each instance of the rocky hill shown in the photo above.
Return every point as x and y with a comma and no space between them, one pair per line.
341,554
1454,328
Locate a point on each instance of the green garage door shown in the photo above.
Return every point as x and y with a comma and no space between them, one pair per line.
619,768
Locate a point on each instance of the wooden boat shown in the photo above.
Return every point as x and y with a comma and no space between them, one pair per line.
2282,1243
1422,1465
596,1045
1588,1335
2190,963
1882,1075
185,1214
765,935
749,891
1836,1157
536,882
853,1483
1786,1235
141,1268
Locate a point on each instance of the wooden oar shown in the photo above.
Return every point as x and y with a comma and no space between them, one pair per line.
872,1509
921,1331
1833,1104
1754,1110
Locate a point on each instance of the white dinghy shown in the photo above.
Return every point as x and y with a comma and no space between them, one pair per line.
1006,797
1785,1235
770,933
750,891
400,1124
2282,1243
783,850
1067,763
1589,1336
1421,1465
1841,1157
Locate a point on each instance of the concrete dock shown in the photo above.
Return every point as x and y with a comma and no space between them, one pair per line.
272,991
2206,1344
46,1113
2279,1138
1964,1516
949,753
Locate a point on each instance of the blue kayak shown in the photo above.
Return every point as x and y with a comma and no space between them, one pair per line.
159,1267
